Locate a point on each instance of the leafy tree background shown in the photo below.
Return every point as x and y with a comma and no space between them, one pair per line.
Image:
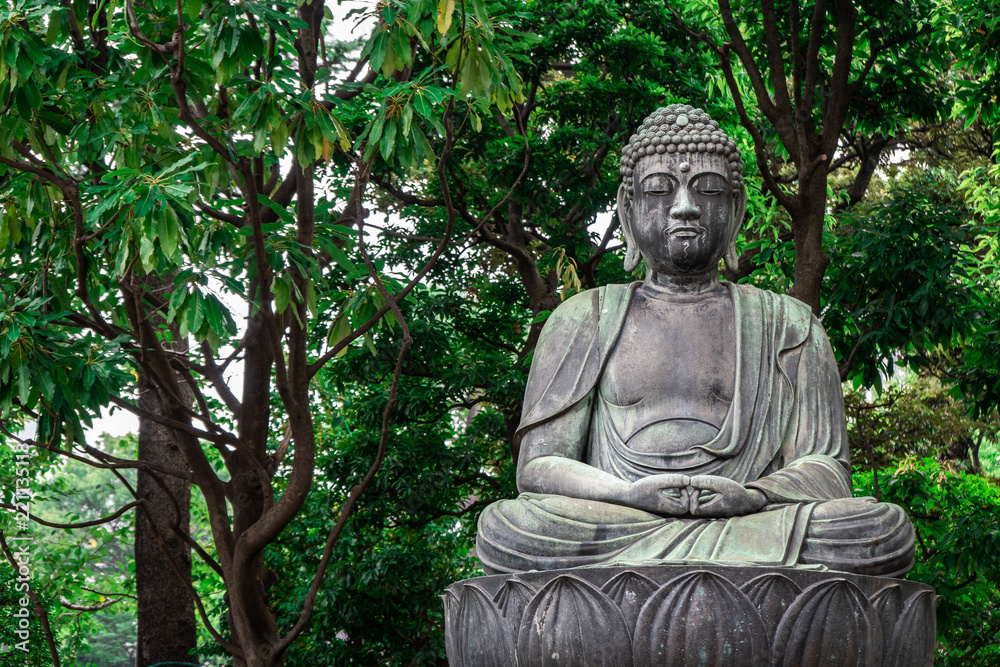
437,142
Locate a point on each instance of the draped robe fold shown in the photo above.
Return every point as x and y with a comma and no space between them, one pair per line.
784,435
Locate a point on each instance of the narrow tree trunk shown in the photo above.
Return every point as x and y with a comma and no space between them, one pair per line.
251,620
810,258
166,619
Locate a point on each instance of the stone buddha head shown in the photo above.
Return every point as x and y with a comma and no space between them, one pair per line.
682,196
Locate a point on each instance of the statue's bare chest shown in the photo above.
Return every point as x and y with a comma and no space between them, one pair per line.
674,361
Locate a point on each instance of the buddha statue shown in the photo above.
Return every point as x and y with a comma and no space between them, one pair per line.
680,419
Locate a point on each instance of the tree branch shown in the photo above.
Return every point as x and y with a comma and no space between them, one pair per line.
72,526
839,98
97,607
739,45
759,144
235,220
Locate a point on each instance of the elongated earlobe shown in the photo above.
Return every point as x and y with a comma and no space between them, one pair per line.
625,218
739,210
731,258
631,259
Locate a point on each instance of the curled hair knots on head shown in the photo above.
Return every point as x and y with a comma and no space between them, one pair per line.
679,128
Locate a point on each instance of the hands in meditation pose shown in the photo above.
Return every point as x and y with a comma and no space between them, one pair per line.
681,418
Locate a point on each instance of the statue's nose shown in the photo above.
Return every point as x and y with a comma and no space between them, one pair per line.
685,208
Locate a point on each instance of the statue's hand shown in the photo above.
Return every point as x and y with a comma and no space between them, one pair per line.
722,497
667,495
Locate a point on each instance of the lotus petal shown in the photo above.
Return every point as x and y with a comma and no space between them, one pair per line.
629,590
915,633
479,635
700,619
512,598
831,623
888,604
571,622
772,594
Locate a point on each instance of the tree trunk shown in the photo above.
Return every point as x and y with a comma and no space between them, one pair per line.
810,258
167,631
252,623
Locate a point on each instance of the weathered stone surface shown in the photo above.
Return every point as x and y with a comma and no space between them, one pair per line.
831,622
772,594
490,644
700,618
513,597
911,644
629,590
569,622
888,603
708,615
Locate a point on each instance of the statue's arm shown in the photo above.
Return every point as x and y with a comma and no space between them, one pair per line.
552,462
810,478
815,451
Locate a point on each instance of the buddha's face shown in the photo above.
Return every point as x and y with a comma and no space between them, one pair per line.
683,214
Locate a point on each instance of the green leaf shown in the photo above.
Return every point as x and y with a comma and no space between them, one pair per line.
281,293
145,204
146,248
198,312
401,46
279,138
213,314
280,211
422,104
375,48
311,299
169,233
351,269
388,142
339,330
407,119
55,22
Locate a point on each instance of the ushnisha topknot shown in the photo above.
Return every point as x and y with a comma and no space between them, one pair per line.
679,128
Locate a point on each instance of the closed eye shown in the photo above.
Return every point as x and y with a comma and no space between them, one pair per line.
710,184
659,185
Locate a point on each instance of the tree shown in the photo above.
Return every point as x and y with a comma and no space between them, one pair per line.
905,284
597,69
185,141
837,86
915,418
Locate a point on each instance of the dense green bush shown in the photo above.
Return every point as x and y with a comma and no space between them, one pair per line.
958,552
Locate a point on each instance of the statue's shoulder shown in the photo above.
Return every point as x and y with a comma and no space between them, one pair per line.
588,307
793,316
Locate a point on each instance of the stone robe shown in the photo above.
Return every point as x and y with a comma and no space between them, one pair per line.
784,435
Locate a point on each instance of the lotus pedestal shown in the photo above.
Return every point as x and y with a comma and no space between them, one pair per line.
705,616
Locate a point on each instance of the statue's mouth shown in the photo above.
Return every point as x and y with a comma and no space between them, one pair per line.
685,232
